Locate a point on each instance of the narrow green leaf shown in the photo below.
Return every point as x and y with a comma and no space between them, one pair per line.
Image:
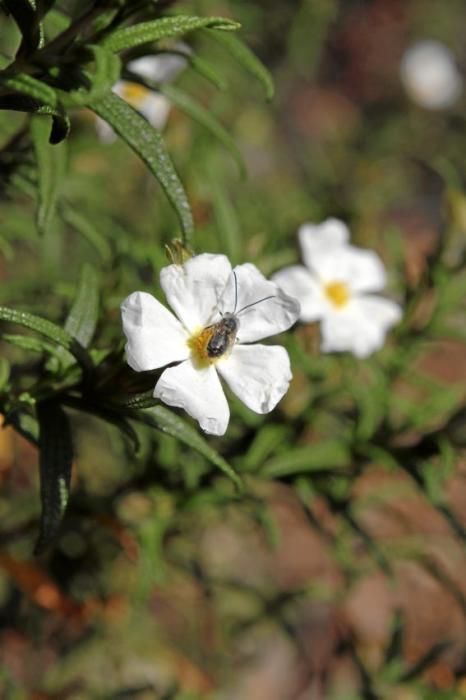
167,27
4,373
87,229
30,343
246,58
50,169
164,420
49,330
147,143
32,87
143,400
106,71
55,460
83,315
203,67
328,454
23,103
199,113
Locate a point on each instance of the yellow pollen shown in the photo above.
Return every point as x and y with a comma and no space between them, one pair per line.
134,93
197,343
337,293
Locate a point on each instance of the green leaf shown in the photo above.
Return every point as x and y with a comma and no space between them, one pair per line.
23,103
32,87
203,67
326,455
55,460
87,229
49,330
200,114
107,69
83,315
167,27
164,420
147,143
50,170
143,400
246,58
30,343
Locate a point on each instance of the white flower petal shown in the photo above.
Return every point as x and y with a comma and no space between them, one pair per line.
155,337
330,234
360,327
299,283
259,375
362,270
105,133
383,312
193,290
160,68
430,76
262,319
155,108
198,392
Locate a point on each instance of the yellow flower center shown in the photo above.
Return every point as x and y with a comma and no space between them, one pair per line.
134,93
197,343
338,293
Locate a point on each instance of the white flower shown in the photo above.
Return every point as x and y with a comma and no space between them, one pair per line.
204,293
430,76
335,288
161,68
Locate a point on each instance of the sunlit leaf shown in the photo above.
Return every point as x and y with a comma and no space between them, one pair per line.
167,27
82,318
248,60
49,330
50,170
202,115
147,143
168,422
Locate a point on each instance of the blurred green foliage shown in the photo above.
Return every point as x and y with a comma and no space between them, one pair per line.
164,580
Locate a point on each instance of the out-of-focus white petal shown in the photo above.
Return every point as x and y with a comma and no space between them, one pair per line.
155,108
384,312
259,375
159,68
298,282
105,133
360,327
198,392
330,234
362,270
430,76
194,289
262,319
155,337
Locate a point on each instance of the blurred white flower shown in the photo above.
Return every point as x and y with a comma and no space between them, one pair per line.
219,312
430,76
335,288
155,107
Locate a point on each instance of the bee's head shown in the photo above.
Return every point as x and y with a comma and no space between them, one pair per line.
230,322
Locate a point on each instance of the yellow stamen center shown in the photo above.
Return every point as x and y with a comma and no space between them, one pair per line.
134,93
338,293
197,343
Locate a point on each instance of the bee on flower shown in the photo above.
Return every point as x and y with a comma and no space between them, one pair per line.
155,107
430,75
336,286
219,315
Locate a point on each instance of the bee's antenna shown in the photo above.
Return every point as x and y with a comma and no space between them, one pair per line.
248,306
236,291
